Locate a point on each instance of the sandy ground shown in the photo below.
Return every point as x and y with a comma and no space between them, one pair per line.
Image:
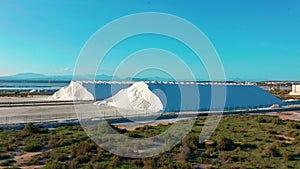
9,115
286,139
293,115
24,99
25,157
133,126
42,113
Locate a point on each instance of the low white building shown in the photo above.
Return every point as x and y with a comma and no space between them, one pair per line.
295,90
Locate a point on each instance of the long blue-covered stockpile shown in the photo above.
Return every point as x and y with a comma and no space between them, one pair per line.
195,96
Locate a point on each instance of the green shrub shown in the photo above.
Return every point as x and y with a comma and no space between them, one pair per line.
293,125
210,153
293,133
54,165
4,156
191,141
287,156
226,157
30,128
203,160
115,161
133,134
271,151
7,162
271,131
277,121
32,147
261,119
60,157
81,159
85,147
33,161
59,141
225,144
53,141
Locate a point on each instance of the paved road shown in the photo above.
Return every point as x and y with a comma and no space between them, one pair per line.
37,110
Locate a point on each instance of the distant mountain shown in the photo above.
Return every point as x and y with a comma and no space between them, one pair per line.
34,77
41,77
28,76
93,77
23,76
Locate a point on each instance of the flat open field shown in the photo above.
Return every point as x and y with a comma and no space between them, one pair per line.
14,110
18,110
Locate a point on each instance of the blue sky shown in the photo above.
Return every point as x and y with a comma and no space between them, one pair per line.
254,39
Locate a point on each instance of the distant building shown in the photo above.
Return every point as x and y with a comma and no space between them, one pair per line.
295,90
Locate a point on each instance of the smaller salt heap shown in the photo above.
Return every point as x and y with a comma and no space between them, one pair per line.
137,97
75,91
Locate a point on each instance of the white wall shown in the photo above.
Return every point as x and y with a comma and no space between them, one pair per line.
295,90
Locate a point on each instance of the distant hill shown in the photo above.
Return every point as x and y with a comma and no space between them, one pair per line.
23,76
34,77
42,77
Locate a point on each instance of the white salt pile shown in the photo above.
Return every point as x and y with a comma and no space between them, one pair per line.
137,97
75,91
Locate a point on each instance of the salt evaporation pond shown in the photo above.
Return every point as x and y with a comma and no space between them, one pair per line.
237,97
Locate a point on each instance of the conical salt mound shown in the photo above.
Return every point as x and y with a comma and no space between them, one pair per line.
137,97
75,91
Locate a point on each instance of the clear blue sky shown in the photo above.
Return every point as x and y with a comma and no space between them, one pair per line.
257,39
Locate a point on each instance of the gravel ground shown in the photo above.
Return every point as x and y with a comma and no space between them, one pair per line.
9,115
24,114
24,99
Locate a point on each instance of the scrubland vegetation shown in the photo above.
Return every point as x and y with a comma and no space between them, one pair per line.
283,94
240,141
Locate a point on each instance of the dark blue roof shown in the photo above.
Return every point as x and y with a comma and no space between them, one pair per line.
189,97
